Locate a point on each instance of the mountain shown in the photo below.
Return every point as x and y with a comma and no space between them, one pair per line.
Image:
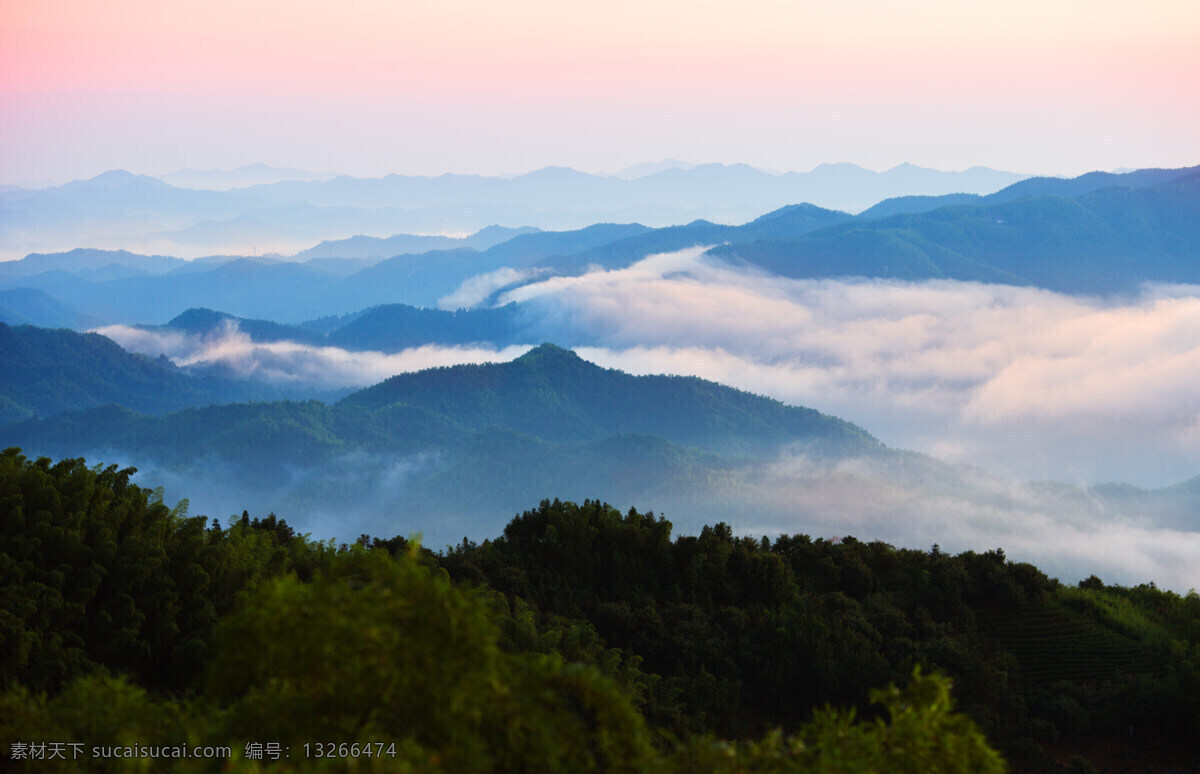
651,167
50,371
913,204
244,231
116,196
425,279
115,209
206,322
246,287
386,328
119,209
545,422
1106,240
29,306
84,264
549,393
287,291
790,221
378,248
553,394
1088,183
241,177
530,249
1034,186
393,327
113,180
674,185
1109,240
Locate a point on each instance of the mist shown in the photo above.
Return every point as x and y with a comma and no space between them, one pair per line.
476,290
1067,532
233,352
1024,382
998,389
905,499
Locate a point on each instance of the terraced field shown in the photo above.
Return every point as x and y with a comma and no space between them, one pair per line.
1056,643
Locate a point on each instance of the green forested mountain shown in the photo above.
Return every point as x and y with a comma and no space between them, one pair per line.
47,372
468,443
553,394
579,639
50,371
549,393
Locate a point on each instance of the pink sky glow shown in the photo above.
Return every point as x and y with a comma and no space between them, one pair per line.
375,87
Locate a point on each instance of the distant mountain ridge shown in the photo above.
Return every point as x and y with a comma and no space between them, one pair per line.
384,328
380,248
1123,230
1110,239
1033,186
840,186
240,177
29,306
82,260
121,210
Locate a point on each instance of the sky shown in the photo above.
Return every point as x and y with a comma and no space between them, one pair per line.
375,86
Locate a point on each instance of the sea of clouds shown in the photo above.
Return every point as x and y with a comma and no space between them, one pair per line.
1025,384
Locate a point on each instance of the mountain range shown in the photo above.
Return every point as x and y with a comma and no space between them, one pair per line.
47,372
455,451
1106,240
466,443
121,210
1099,233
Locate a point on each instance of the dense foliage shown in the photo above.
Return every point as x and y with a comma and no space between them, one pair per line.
581,639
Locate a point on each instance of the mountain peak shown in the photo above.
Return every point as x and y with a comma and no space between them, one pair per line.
119,177
549,353
198,318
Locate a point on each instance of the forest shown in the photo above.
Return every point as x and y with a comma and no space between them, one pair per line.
580,639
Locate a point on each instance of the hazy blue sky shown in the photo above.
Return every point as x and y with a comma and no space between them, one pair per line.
376,86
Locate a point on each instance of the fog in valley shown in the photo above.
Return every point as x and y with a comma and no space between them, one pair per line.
1004,388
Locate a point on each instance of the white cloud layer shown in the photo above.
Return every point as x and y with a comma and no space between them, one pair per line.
1029,382
1065,531
477,289
295,363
